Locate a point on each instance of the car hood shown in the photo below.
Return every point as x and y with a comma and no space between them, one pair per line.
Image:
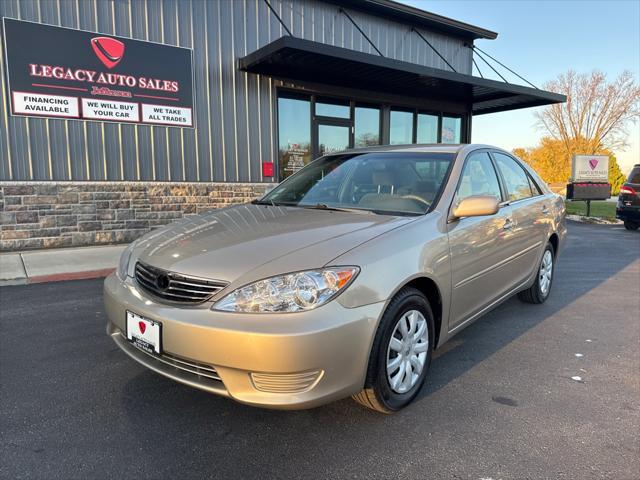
249,240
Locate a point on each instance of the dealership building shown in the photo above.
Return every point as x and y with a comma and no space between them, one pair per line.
118,116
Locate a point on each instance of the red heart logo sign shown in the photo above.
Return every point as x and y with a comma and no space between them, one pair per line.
108,50
142,326
593,163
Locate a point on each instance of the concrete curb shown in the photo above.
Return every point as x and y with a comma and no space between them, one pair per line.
56,265
61,277
58,277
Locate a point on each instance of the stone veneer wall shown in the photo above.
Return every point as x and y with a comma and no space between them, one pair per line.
68,214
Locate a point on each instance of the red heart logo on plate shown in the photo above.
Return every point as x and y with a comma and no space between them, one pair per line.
593,163
142,326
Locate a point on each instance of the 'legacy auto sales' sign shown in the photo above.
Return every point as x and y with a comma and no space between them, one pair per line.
65,73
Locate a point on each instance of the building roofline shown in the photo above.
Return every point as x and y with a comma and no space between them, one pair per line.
418,17
298,59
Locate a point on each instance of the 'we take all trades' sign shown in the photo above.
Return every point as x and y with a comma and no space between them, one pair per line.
59,72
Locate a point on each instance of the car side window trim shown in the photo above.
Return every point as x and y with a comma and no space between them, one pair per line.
503,185
538,191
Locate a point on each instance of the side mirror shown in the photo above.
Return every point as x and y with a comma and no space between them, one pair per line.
476,206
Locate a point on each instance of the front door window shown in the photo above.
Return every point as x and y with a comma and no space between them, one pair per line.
332,138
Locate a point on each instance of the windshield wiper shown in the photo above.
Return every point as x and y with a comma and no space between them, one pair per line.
324,206
272,203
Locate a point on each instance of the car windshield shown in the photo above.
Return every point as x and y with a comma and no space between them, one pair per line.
394,183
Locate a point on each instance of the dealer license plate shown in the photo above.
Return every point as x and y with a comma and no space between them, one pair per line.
144,333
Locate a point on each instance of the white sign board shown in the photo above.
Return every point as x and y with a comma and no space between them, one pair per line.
45,105
110,110
164,115
590,168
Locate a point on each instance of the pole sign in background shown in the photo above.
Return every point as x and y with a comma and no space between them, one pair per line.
60,72
590,168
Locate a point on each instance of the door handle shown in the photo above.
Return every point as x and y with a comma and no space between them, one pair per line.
508,224
545,209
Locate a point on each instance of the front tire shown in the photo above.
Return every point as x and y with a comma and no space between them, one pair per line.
401,353
541,288
631,225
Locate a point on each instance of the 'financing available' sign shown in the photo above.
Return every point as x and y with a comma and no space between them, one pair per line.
60,72
590,168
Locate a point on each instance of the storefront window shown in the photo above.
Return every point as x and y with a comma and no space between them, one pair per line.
367,127
294,134
427,128
451,127
338,124
401,127
333,109
332,138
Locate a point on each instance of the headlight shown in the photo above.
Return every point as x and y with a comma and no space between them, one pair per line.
293,292
123,265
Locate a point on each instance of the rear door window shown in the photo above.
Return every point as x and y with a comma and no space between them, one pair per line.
516,179
634,176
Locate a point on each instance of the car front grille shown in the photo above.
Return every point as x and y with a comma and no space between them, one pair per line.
175,287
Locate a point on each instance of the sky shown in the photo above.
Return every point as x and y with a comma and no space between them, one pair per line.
541,39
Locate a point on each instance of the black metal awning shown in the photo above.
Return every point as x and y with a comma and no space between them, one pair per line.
296,59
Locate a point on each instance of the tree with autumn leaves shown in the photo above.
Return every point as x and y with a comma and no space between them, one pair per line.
552,160
594,120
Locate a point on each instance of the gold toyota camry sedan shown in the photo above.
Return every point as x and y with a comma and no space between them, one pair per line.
340,281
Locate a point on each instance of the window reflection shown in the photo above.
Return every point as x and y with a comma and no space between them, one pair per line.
427,128
367,127
451,129
479,177
406,126
333,109
401,127
332,138
385,182
294,134
514,176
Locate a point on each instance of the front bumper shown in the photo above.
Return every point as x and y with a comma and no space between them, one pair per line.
289,360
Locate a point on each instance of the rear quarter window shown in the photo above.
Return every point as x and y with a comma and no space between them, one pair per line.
634,176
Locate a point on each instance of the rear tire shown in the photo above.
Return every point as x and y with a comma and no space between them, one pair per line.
401,353
541,288
631,225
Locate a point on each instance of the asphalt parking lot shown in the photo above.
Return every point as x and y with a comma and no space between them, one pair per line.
500,402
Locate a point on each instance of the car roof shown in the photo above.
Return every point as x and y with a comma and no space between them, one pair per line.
427,148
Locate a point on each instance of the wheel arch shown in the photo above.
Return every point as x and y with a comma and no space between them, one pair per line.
429,288
554,240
